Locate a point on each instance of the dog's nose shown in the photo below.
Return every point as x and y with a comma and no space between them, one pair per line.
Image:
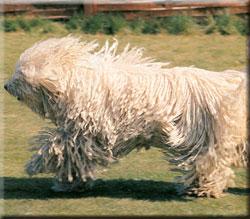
5,87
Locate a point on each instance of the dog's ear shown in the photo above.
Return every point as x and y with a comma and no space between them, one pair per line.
51,79
50,85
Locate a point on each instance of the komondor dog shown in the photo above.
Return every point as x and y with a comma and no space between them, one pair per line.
105,104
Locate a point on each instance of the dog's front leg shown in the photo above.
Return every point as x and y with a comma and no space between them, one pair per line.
71,156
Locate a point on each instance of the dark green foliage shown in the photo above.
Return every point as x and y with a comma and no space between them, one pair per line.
136,25
151,26
177,24
72,24
225,24
46,25
241,25
112,23
93,24
35,22
103,23
24,24
9,25
27,25
75,21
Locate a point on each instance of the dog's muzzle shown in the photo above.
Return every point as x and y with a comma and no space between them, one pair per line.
6,87
9,91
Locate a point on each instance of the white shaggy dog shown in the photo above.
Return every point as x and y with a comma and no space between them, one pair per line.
105,104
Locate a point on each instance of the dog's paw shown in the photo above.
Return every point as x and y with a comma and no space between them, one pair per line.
203,192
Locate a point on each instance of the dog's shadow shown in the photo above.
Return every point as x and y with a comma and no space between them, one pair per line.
39,188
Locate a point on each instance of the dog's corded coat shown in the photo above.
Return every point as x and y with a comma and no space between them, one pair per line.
105,104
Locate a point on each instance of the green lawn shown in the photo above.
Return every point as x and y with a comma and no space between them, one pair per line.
141,183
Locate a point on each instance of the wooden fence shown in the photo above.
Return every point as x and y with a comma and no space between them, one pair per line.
130,10
169,8
43,11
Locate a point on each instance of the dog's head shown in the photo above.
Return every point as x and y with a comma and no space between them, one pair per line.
43,71
29,93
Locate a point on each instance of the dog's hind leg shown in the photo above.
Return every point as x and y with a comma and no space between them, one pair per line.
201,145
210,174
206,163
203,130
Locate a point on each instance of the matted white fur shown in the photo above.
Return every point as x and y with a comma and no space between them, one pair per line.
105,104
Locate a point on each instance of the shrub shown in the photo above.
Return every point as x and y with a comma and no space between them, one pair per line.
225,24
103,23
72,24
151,27
27,24
113,24
241,25
9,25
75,21
136,25
23,24
210,25
35,22
47,28
43,25
92,24
177,24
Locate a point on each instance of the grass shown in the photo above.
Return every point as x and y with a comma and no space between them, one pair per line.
141,183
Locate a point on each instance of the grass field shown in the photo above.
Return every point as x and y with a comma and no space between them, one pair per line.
141,183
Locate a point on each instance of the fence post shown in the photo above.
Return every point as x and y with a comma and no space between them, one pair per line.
90,8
